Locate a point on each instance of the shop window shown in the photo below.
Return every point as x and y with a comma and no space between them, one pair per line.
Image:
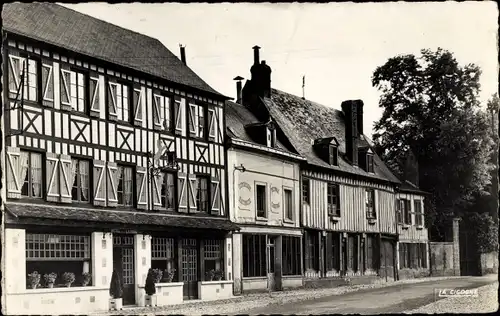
51,253
254,255
212,256
291,255
163,256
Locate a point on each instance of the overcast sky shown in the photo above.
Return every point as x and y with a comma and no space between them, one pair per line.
337,46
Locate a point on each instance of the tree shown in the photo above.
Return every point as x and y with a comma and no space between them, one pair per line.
115,289
431,108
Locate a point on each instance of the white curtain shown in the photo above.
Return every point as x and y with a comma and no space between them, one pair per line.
74,166
22,168
159,185
36,174
127,185
84,178
118,176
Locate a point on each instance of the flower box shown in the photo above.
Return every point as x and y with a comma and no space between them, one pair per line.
215,290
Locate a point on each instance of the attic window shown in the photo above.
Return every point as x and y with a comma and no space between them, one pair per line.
271,136
369,163
333,155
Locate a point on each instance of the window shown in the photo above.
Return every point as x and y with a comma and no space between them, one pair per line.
333,155
399,211
163,115
125,186
163,256
261,200
168,191
120,101
212,255
406,211
73,90
333,199
81,183
196,121
370,204
412,255
202,200
311,254
369,163
419,216
288,204
47,253
271,136
291,255
254,255
31,172
306,191
28,67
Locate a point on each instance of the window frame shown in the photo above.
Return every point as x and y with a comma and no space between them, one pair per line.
132,186
174,188
207,201
25,89
288,206
167,109
291,249
370,163
217,247
30,178
198,124
306,194
371,210
333,155
254,255
120,84
419,214
311,241
265,201
333,211
77,179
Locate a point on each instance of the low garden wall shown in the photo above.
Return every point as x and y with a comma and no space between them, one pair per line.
215,290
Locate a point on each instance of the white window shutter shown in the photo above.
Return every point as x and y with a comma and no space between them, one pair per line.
112,183
182,192
66,178
142,189
52,177
99,188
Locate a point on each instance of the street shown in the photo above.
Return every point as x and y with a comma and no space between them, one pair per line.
392,299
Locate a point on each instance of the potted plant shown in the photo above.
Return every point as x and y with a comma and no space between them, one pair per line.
169,275
50,279
34,279
209,275
86,278
116,292
68,278
154,276
218,275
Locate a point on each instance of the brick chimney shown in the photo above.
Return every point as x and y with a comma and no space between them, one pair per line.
238,89
351,109
261,75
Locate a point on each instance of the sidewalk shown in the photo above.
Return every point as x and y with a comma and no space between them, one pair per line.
245,302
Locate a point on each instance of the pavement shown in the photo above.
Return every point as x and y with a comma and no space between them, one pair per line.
391,299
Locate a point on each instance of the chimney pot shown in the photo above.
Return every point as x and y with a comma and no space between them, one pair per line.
183,53
238,89
256,57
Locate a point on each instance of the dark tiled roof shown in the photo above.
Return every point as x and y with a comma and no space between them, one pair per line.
303,121
78,32
237,117
127,218
407,186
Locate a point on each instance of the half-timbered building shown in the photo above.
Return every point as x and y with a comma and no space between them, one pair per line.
413,244
347,193
264,202
114,160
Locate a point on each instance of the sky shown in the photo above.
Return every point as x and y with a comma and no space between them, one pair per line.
337,46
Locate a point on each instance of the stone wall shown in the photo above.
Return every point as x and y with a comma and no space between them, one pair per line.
489,263
441,255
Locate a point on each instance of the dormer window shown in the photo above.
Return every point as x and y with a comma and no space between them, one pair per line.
271,135
327,149
365,159
333,155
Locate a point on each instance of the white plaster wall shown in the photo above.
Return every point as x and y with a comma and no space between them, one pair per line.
169,293
15,261
58,301
292,281
142,263
228,257
102,259
237,263
254,284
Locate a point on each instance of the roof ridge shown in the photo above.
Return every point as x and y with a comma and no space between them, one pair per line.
107,22
307,100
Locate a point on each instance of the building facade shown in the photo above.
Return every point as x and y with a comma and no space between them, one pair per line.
264,202
413,243
348,201
114,160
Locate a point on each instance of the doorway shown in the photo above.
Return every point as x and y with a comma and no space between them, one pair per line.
189,264
387,259
123,264
271,256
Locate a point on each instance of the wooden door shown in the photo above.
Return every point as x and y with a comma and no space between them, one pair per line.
387,259
271,284
189,262
123,263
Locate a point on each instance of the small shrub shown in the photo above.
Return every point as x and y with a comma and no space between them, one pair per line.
86,278
157,275
209,275
150,287
218,275
169,275
50,278
116,290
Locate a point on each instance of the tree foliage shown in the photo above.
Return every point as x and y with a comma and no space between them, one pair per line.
431,108
485,231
